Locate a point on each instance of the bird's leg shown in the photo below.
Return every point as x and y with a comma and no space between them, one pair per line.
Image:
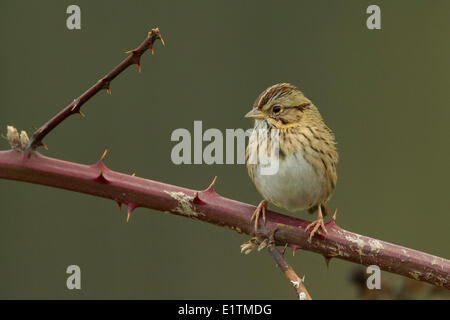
325,209
255,216
316,224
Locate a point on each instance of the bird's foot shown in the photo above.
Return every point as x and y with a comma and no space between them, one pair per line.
262,207
316,225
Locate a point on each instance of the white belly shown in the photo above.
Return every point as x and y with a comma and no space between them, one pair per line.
296,185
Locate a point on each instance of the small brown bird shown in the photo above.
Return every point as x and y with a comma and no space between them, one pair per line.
307,157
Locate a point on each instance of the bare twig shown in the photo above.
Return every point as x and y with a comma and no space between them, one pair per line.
296,282
104,83
208,206
294,279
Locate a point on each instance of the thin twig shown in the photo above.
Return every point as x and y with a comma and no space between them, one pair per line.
104,83
266,238
297,283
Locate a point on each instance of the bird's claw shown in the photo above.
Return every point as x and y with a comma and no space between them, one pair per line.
316,225
256,214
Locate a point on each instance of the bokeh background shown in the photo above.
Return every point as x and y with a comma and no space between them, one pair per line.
385,93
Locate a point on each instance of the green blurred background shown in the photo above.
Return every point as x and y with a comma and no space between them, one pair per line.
385,93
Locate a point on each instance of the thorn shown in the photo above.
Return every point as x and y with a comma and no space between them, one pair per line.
134,174
131,207
101,178
82,114
334,215
131,51
294,248
119,204
73,108
100,164
153,50
44,146
197,199
42,130
211,186
108,89
102,159
327,261
162,41
332,223
138,62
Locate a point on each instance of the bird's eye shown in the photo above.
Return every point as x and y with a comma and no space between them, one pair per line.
276,109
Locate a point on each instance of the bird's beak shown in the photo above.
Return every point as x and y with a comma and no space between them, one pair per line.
255,114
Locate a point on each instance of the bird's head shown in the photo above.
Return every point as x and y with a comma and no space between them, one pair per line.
283,106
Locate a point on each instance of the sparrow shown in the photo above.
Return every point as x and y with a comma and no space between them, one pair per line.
306,174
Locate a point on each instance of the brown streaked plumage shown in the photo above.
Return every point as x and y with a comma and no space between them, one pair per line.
306,175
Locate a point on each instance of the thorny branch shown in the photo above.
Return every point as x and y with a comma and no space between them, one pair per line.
206,205
23,144
103,83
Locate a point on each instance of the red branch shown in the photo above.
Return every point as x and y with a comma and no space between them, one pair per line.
210,207
103,83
